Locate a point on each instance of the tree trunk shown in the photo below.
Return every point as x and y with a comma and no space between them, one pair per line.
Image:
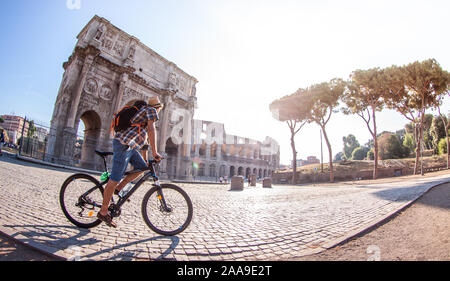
448,150
375,145
294,157
375,157
330,153
418,148
446,127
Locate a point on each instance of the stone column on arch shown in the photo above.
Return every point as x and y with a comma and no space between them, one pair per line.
88,62
105,142
162,135
164,121
123,82
208,151
179,162
197,150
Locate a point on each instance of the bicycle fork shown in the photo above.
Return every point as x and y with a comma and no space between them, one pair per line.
164,207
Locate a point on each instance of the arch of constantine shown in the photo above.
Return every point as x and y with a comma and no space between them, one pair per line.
109,69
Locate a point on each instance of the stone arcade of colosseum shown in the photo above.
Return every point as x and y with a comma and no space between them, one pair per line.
109,69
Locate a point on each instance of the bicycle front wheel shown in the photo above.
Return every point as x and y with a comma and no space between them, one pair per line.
80,198
167,210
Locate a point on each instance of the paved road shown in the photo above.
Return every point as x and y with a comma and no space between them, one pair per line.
280,223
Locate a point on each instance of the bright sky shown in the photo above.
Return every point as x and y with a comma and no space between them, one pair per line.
244,53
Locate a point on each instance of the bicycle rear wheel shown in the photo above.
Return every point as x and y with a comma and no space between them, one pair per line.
80,198
171,220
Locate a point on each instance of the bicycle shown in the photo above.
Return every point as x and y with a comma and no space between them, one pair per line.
81,196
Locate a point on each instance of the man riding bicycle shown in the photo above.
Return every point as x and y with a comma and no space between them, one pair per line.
126,147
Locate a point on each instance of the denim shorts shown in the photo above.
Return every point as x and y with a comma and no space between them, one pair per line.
123,155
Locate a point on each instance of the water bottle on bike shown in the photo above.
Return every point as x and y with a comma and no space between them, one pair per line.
125,190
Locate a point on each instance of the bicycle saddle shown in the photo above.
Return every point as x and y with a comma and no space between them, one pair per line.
103,154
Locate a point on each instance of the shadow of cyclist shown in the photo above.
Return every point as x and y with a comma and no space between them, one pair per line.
54,238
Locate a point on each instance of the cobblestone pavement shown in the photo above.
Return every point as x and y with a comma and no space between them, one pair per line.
279,223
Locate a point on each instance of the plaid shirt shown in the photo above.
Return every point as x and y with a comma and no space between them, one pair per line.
136,136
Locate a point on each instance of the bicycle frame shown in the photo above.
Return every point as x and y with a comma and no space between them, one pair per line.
80,209
147,175
150,173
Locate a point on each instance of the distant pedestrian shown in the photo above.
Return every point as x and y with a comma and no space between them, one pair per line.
2,139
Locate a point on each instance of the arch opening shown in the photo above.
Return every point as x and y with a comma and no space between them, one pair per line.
87,143
171,164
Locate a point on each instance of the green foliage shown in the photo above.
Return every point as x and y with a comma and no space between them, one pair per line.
409,142
395,148
324,97
433,131
360,153
339,157
294,110
410,90
370,154
413,88
409,127
350,144
442,146
401,134
294,107
31,129
390,147
364,91
437,132
427,122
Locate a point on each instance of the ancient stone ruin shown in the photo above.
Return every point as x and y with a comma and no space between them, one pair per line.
109,69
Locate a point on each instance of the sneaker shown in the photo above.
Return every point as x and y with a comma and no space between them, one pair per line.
106,219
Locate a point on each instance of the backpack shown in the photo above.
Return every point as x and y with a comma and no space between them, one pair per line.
122,119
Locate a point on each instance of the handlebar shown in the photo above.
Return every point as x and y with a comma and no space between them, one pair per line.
149,168
155,161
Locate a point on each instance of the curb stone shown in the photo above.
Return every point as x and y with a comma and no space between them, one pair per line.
43,249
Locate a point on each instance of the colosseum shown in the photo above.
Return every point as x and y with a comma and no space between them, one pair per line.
109,69
213,154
